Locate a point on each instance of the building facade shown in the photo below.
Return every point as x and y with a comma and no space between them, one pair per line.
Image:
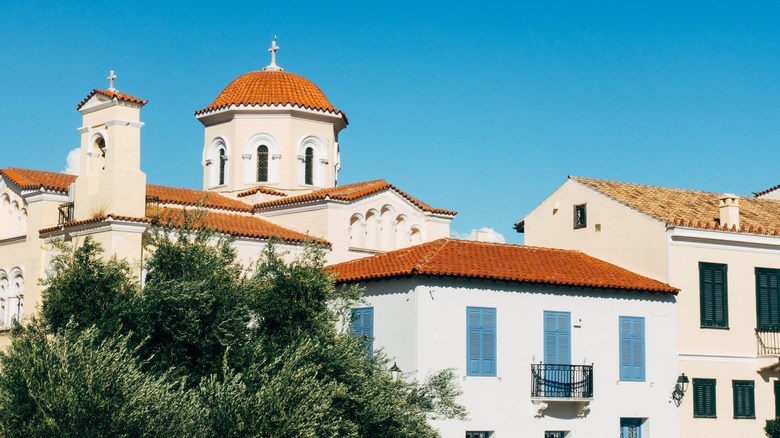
548,343
723,252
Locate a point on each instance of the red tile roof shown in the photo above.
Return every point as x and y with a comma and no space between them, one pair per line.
237,225
271,88
690,208
232,224
189,197
349,192
764,192
35,179
261,189
111,95
499,262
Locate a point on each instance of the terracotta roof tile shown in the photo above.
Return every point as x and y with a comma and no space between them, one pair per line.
190,197
238,225
689,208
271,88
764,192
34,179
111,95
233,224
261,189
103,218
350,192
499,262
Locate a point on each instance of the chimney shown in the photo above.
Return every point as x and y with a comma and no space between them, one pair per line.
480,235
729,210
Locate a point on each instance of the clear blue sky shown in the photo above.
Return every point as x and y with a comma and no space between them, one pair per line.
479,107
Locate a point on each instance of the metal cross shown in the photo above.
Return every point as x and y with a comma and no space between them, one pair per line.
111,78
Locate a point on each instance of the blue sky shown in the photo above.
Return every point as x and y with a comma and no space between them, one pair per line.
479,107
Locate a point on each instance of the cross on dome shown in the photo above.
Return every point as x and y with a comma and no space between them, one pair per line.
273,49
111,77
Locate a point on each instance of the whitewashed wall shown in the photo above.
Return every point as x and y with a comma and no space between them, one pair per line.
423,325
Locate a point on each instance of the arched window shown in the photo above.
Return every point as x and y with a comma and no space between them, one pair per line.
262,164
309,164
100,144
5,295
16,306
222,162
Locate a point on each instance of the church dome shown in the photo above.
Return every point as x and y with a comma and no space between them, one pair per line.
271,88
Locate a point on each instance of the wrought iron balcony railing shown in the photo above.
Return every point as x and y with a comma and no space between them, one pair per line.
768,341
551,381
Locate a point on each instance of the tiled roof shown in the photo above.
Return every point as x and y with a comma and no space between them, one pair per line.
689,208
271,88
237,225
189,197
232,224
764,192
34,179
97,219
261,189
111,95
350,192
499,262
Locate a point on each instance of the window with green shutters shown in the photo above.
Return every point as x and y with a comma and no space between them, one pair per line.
767,299
704,398
744,398
713,295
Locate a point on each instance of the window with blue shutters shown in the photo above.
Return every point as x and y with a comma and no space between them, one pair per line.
632,348
363,326
713,295
481,341
630,428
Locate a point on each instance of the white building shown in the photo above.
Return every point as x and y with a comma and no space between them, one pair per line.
549,343
723,252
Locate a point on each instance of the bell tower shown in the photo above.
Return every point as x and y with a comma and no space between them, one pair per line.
110,180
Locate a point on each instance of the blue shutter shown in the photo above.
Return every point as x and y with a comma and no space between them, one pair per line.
632,348
557,338
480,341
363,325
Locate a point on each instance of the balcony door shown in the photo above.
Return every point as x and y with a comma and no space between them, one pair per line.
557,351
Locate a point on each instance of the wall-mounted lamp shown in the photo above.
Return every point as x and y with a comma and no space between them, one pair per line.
395,372
679,389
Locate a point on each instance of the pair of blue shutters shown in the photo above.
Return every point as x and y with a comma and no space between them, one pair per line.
557,351
363,326
481,341
632,348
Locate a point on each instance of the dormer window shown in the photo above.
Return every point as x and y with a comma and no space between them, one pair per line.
580,216
262,164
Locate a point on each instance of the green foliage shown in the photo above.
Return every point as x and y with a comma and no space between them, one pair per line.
74,384
86,289
772,428
205,349
193,305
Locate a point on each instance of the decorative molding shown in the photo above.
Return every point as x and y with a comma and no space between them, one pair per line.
129,123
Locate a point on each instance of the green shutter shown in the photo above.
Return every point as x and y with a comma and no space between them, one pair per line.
713,295
704,398
767,299
744,398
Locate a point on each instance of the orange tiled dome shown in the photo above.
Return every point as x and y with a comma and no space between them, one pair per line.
271,88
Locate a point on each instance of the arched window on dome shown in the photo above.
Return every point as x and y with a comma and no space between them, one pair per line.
309,166
262,163
222,164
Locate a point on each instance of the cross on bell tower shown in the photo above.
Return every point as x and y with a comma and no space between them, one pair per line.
273,49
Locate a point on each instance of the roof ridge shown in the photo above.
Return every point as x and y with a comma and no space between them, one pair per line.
426,258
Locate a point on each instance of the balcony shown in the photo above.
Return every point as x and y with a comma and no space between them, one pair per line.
561,383
768,342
